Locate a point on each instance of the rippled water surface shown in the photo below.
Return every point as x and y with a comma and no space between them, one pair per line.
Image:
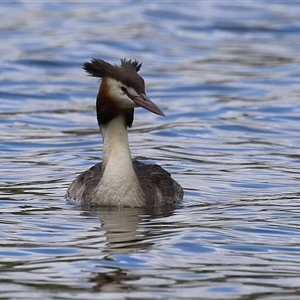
227,76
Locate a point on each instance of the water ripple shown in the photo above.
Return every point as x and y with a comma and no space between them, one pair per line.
226,75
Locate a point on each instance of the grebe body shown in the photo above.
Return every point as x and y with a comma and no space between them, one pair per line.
117,180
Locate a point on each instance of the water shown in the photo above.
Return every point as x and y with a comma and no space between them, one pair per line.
227,76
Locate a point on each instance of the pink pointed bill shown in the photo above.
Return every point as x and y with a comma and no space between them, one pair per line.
145,102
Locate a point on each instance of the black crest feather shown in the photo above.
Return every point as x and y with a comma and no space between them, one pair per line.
99,68
133,63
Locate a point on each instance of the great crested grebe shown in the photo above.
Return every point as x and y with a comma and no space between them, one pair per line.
119,181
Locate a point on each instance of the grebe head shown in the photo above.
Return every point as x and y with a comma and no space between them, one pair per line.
121,90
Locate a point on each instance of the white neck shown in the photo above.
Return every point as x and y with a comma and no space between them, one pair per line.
115,142
119,184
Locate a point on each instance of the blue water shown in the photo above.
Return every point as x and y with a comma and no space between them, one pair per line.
227,76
